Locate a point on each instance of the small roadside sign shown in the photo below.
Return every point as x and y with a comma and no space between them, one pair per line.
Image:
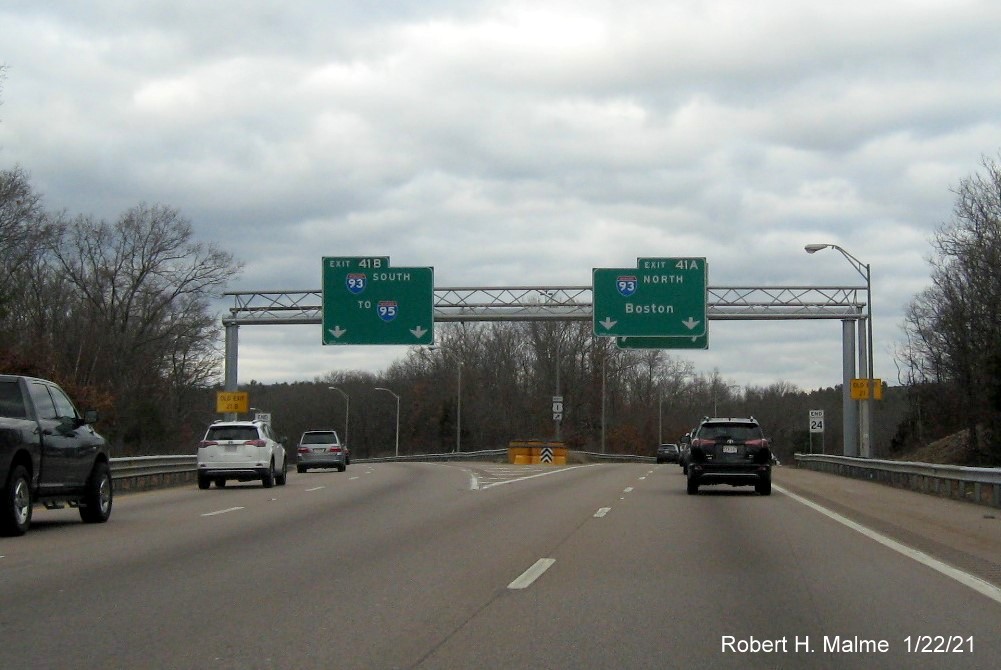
860,389
232,402
863,388
816,421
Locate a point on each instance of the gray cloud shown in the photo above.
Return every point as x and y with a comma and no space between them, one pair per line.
512,143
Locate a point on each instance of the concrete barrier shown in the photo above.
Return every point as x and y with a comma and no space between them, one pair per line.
536,452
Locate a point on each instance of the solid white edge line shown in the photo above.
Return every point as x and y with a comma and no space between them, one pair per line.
532,573
222,511
966,579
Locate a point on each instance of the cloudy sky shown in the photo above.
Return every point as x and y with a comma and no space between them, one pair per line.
521,143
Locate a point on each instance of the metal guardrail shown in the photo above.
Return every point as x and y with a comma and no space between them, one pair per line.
485,455
139,473
616,458
979,485
147,472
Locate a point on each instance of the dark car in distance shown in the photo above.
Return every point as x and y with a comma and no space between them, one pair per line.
668,453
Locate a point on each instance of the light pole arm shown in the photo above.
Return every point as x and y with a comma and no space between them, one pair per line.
866,272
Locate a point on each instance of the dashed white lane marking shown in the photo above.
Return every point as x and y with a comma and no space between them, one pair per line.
964,578
642,478
533,573
602,511
352,478
315,488
222,511
628,489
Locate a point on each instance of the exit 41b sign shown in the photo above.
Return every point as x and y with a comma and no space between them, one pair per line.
367,301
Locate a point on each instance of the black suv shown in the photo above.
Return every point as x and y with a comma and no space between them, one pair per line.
730,451
668,453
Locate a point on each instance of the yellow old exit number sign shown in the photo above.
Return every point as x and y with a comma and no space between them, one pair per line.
232,402
860,389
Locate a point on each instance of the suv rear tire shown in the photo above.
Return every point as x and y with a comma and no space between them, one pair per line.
268,478
693,486
764,486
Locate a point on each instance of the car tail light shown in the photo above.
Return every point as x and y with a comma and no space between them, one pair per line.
703,443
335,449
756,443
304,450
255,443
207,443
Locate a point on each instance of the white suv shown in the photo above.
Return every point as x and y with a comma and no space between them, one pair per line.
241,450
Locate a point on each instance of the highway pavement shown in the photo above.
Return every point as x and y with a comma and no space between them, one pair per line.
434,566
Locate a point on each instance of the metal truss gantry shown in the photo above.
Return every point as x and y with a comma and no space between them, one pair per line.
575,303
562,303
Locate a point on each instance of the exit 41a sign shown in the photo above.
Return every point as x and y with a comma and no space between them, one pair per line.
660,297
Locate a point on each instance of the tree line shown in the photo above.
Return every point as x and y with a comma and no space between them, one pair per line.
117,312
120,314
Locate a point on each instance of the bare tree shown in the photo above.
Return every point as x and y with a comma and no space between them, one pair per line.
144,287
954,327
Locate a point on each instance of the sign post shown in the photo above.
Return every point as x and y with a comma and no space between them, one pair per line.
660,297
367,301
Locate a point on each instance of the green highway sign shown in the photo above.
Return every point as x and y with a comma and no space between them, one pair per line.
367,301
660,297
686,342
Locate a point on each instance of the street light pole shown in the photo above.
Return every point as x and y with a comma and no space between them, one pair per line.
865,271
604,367
458,411
347,410
660,421
379,388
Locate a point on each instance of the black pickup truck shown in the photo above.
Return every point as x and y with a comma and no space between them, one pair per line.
49,454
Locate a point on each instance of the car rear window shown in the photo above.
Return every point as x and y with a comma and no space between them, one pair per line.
319,437
736,431
232,433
